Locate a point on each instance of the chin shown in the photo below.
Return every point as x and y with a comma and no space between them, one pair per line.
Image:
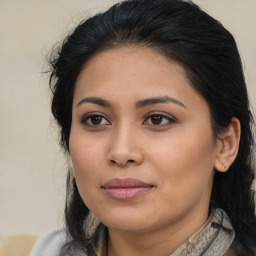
127,223
129,227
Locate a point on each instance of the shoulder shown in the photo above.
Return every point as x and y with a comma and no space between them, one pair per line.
50,243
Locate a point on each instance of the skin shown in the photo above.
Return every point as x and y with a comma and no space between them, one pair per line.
175,154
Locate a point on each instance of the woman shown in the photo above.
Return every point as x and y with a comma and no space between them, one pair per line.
153,110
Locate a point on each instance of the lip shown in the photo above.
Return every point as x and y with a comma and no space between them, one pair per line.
126,189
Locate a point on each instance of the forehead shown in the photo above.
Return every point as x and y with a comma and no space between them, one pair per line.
131,65
132,74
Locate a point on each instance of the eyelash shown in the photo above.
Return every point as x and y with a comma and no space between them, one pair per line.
168,120
89,117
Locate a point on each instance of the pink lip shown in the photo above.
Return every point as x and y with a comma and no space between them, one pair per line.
126,189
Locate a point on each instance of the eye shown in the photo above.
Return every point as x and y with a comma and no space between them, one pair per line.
95,120
158,120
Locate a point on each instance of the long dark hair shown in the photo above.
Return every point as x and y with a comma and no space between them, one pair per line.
184,33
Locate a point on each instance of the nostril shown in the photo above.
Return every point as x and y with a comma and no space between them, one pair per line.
121,162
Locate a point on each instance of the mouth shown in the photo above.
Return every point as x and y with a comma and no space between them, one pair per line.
126,189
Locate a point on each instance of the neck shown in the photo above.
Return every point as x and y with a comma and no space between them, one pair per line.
163,241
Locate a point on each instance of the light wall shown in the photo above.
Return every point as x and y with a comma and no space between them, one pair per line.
32,167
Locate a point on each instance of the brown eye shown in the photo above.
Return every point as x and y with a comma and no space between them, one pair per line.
159,120
156,120
95,120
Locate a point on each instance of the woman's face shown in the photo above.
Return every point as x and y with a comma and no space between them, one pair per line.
141,142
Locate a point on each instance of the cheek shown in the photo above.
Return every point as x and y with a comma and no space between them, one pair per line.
85,153
86,166
86,158
185,162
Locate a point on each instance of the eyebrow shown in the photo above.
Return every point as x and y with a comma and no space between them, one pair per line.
95,100
156,100
139,104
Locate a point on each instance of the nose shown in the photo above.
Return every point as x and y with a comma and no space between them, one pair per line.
125,148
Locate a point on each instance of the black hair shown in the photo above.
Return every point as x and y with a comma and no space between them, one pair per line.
184,33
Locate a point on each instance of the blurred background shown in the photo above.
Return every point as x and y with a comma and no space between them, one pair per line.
32,166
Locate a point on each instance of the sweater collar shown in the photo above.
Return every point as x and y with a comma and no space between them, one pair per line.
214,238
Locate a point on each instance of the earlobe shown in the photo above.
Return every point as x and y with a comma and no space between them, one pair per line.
227,146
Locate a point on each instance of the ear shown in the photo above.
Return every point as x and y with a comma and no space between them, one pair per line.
227,146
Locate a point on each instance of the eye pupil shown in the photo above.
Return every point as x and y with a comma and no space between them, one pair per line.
96,120
156,119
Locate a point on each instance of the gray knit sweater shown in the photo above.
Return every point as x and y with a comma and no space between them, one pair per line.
215,239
